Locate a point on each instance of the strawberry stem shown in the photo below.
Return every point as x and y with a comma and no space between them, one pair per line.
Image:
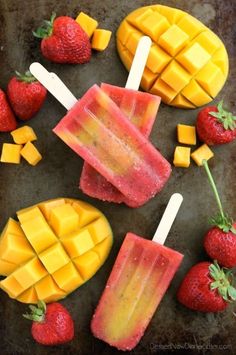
46,29
27,77
37,312
222,281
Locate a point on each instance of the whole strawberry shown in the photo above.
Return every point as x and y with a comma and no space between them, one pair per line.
216,125
52,324
220,241
7,119
206,288
64,41
26,95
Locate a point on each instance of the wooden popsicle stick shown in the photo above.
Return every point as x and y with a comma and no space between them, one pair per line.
168,218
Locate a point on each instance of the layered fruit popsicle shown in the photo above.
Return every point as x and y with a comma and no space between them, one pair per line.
141,109
139,279
97,130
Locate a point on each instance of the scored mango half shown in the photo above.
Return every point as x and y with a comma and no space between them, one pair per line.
187,65
53,248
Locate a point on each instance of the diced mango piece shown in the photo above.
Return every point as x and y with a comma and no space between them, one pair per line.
132,41
103,248
209,41
78,243
191,26
175,76
29,213
160,88
173,15
31,154
47,206
210,78
47,290
127,57
86,213
195,94
54,258
99,230
124,32
12,227
87,264
182,102
182,157
7,268
154,24
157,59
23,135
29,296
194,58
39,234
186,134
64,219
15,248
221,60
11,153
30,273
88,23
148,79
11,286
203,152
68,278
173,40
101,39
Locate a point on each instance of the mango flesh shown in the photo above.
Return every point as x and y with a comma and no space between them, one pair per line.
54,248
187,64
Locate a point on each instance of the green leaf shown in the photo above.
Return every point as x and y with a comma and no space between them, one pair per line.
224,117
232,292
46,29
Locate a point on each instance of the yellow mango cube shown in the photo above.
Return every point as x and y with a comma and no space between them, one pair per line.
103,248
29,296
88,23
30,273
173,40
148,79
7,268
11,153
210,78
182,157
12,227
31,154
85,212
181,101
101,39
154,24
203,152
15,248
186,134
162,89
175,76
132,41
47,290
29,213
99,230
39,234
157,59
54,258
47,206
190,25
23,135
194,58
64,219
195,93
68,278
78,243
11,286
87,264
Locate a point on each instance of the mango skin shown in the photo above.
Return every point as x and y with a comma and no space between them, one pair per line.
41,263
187,65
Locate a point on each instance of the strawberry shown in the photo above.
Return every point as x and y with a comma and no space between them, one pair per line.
216,125
206,288
26,95
64,41
52,324
220,241
7,119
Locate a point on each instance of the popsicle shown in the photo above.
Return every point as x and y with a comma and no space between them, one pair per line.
97,130
138,281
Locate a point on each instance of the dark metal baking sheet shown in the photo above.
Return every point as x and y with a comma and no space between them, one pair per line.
174,328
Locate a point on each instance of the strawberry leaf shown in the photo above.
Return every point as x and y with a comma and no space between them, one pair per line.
222,278
224,117
46,29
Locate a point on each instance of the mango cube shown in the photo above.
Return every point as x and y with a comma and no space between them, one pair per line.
31,154
47,290
103,248
15,248
186,134
29,296
175,76
29,213
194,58
64,219
11,286
12,227
87,264
182,157
157,59
39,234
86,213
23,135
88,23
101,39
54,258
30,273
154,24
173,40
47,206
99,230
7,268
11,153
78,243
203,152
67,278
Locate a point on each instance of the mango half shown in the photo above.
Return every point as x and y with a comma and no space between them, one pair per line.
53,248
187,65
